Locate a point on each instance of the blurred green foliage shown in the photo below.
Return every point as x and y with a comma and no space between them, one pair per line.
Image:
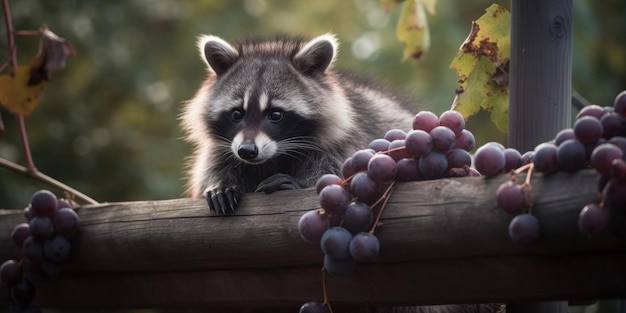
107,124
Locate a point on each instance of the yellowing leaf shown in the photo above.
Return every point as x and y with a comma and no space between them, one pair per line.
388,4
412,30
482,65
21,90
54,50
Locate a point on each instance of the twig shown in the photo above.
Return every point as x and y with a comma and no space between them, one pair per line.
47,180
385,196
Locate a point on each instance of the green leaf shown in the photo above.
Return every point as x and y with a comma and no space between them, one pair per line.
482,65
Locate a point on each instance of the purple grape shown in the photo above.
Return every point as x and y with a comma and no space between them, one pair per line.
382,168
408,170
571,155
527,157
618,170
498,145
358,217
63,203
465,140
361,158
588,129
620,142
43,203
433,165
614,195
613,125
57,249
592,110
33,251
394,134
563,135
489,160
313,307
511,198
339,267
364,246
364,188
443,139
545,158
512,159
472,172
333,199
593,219
619,105
458,158
400,153
41,228
603,155
10,272
418,143
23,292
379,145
524,228
65,222
452,120
335,243
19,234
347,170
327,179
425,120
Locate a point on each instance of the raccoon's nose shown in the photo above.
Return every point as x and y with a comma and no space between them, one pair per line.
248,151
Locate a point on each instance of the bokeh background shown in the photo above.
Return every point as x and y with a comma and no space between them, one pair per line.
108,124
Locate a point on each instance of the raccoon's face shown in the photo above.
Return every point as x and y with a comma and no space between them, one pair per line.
265,99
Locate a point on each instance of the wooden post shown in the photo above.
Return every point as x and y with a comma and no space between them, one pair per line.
540,87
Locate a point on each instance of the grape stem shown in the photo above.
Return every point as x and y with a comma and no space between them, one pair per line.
386,197
526,184
326,301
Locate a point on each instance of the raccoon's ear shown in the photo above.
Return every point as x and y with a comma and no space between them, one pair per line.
217,53
315,56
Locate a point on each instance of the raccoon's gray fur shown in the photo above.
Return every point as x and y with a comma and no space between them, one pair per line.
275,114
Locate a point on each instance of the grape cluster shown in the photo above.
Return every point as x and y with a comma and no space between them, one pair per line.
44,242
344,226
597,140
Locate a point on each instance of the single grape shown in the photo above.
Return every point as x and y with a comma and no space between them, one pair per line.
512,159
313,307
433,165
458,158
382,168
57,249
19,234
418,143
364,246
65,222
592,110
10,272
425,120
443,139
545,158
41,228
618,170
33,251
408,170
335,243
588,129
563,135
361,158
358,217
614,192
620,142
511,198
63,203
398,150
364,188
346,169
593,219
339,267
592,146
44,203
23,292
379,145
619,105
527,157
333,198
327,179
489,160
603,155
524,228
452,120
571,155
498,145
465,140
394,134
613,125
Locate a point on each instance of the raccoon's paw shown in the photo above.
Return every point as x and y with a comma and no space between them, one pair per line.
223,200
276,182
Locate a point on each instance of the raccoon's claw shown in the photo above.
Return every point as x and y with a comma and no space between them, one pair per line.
223,200
276,182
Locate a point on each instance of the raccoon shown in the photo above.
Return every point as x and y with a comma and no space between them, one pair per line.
275,114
